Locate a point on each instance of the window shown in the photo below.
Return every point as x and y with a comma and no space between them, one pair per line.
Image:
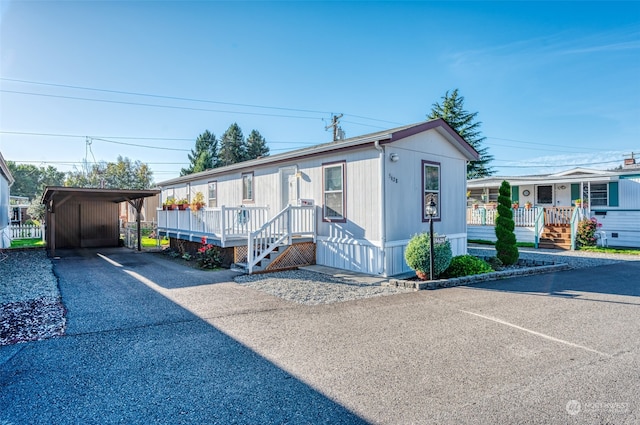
334,193
213,194
544,195
598,194
247,187
430,187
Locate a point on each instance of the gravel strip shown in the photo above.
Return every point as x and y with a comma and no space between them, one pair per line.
310,288
30,302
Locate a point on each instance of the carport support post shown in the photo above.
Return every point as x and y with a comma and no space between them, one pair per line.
137,204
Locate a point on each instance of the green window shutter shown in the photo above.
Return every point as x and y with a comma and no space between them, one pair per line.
575,191
515,193
613,194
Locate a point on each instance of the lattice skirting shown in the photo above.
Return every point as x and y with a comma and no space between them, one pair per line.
300,254
240,254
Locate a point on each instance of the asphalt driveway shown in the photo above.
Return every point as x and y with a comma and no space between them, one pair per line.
151,342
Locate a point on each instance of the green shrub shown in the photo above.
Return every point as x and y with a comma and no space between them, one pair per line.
467,265
495,263
31,222
586,235
506,248
417,255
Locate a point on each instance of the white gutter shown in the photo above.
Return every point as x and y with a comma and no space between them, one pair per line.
383,219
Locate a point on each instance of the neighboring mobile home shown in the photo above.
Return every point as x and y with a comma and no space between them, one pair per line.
555,200
351,204
6,180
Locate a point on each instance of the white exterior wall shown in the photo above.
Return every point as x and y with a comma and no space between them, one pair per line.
623,224
629,192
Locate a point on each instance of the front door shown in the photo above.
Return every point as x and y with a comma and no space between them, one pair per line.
288,187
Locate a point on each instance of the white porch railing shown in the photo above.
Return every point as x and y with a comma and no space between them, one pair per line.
291,221
22,231
222,223
522,217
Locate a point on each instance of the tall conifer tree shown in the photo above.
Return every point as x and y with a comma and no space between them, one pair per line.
464,122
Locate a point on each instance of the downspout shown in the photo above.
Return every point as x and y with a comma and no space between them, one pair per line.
383,218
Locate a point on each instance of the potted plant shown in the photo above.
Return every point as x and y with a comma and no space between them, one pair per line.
515,205
183,203
197,202
527,205
169,203
475,205
578,203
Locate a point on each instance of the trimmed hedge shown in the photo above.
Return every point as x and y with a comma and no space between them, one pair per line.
417,255
467,265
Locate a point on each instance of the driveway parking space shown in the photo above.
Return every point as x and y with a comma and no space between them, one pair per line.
556,348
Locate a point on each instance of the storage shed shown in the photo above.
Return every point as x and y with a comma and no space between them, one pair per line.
86,217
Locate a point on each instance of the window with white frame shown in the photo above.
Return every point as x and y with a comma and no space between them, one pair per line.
430,187
247,187
599,194
213,194
334,192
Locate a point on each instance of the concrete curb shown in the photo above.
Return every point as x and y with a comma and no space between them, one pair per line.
532,268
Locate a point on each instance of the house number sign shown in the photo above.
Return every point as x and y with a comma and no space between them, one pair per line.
393,179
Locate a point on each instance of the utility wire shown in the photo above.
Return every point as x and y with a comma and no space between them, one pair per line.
186,108
156,96
187,99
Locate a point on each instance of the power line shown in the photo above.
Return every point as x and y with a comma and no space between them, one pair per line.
187,99
532,143
141,146
186,108
246,105
26,133
559,165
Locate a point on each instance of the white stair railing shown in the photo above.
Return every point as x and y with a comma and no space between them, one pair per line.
279,231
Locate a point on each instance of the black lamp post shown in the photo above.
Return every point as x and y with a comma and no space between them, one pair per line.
431,211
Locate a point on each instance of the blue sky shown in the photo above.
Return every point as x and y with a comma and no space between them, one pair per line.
555,84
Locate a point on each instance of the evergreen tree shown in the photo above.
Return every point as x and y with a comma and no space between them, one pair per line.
204,156
232,146
506,248
256,145
453,112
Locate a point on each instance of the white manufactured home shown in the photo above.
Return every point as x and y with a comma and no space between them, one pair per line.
351,204
548,207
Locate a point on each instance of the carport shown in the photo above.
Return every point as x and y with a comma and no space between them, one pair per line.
79,217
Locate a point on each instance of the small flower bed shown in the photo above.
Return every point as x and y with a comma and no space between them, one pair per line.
208,256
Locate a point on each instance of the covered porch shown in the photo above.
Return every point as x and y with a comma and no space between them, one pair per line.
553,227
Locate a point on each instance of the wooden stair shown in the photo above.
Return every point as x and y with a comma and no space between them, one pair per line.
262,264
555,237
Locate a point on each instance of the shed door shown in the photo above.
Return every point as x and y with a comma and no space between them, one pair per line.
288,187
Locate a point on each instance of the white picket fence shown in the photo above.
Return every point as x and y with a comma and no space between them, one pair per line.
21,231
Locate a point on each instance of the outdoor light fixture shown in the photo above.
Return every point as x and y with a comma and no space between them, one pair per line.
394,157
431,210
